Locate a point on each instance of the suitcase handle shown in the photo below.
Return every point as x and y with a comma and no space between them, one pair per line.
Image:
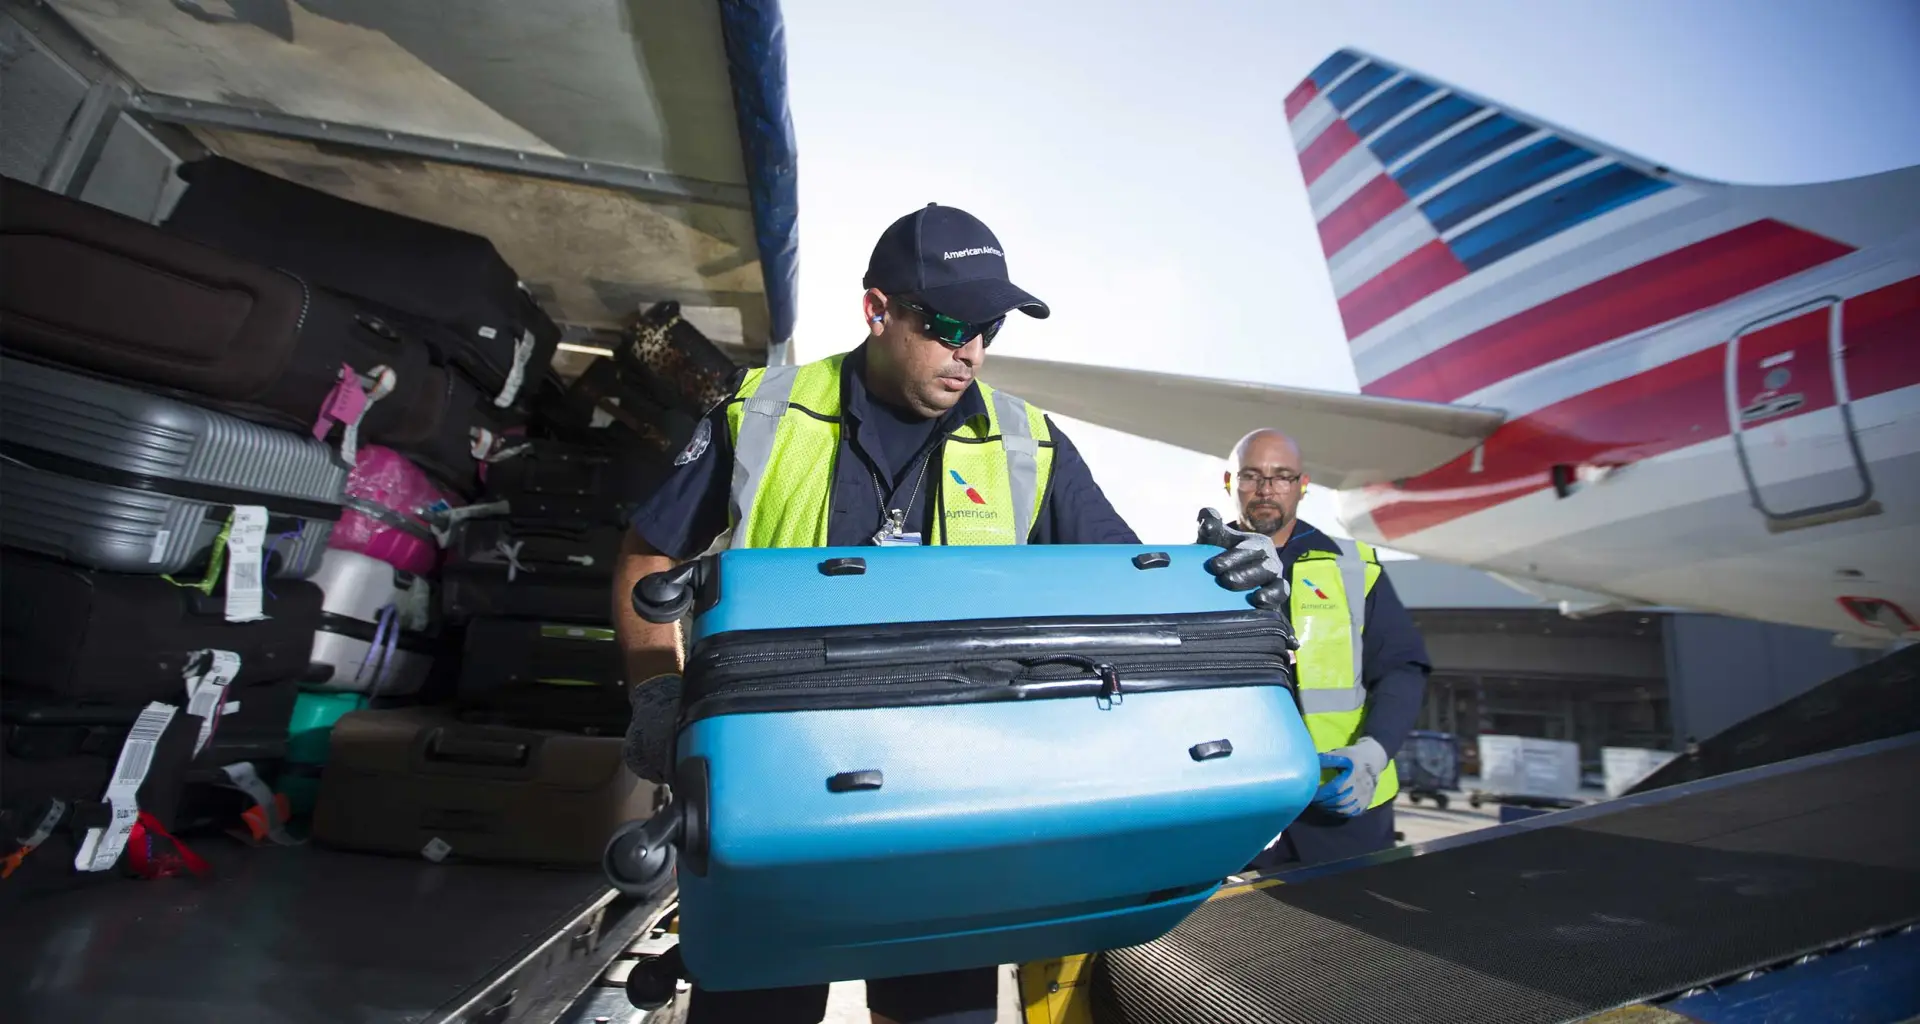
504,753
1106,685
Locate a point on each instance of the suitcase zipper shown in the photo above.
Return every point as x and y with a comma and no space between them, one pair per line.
993,680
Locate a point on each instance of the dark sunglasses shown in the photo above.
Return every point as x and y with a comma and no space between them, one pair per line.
950,332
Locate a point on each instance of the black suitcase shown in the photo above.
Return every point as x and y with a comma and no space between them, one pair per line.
684,369
84,635
89,289
460,421
553,480
606,388
427,270
250,729
251,726
502,653
541,547
483,591
59,780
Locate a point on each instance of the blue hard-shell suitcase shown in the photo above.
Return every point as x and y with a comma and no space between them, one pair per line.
896,761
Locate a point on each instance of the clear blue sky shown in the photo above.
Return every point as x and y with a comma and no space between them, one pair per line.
1134,157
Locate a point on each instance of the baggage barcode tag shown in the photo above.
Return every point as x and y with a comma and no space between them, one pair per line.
244,557
445,522
207,691
384,381
248,781
102,847
56,810
522,352
414,604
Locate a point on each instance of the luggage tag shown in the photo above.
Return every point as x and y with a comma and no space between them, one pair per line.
445,521
248,781
244,563
517,375
42,832
207,691
102,847
348,404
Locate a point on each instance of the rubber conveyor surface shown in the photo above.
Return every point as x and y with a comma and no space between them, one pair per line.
288,935
1554,921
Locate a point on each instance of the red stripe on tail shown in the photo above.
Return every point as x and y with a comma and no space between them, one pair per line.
1327,150
1666,408
1301,95
1422,272
1369,206
1686,280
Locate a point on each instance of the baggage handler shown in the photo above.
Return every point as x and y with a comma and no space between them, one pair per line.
895,443
1359,703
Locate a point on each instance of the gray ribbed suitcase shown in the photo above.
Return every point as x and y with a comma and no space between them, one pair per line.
114,478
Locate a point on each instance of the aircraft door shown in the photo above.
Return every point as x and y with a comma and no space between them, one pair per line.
1792,426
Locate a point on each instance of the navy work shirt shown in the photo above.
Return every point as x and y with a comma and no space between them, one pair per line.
882,450
1393,659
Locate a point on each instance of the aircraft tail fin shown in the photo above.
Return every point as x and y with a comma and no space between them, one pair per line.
1469,243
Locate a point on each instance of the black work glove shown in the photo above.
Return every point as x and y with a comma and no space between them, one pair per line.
1249,563
650,732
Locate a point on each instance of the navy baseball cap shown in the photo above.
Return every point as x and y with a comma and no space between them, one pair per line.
946,257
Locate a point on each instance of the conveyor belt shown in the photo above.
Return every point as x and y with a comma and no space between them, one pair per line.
1556,917
310,935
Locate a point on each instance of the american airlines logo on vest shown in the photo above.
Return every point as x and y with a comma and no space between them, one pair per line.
980,251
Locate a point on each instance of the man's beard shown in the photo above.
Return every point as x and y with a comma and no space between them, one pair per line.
1268,519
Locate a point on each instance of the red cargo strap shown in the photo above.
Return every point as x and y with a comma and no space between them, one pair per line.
148,863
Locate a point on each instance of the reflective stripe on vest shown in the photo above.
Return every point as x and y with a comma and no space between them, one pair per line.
785,428
1330,621
760,417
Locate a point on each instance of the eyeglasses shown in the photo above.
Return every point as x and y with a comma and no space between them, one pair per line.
1252,479
951,332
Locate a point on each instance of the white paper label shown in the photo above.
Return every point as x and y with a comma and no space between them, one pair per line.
101,849
249,782
436,851
244,545
158,553
522,351
207,692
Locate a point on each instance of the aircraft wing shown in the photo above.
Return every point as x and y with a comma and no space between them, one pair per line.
1347,440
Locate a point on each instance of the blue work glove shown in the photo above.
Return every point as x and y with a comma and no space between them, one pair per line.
1249,563
650,732
1348,793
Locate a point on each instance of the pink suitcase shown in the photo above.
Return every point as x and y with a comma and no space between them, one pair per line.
387,500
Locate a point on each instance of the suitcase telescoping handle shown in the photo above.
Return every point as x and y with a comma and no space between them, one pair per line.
667,595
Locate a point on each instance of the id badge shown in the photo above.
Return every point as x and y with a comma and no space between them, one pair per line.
903,540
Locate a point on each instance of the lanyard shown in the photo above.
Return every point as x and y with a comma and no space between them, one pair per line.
893,522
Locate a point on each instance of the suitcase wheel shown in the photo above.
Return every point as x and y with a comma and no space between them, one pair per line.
651,983
665,596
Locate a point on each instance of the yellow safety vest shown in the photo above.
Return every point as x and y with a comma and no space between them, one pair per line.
784,422
1330,627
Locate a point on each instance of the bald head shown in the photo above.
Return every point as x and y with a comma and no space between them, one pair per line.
1263,446
1267,479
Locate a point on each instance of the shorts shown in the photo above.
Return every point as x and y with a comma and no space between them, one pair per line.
954,997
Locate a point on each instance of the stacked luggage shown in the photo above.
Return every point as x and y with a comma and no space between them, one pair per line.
288,478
